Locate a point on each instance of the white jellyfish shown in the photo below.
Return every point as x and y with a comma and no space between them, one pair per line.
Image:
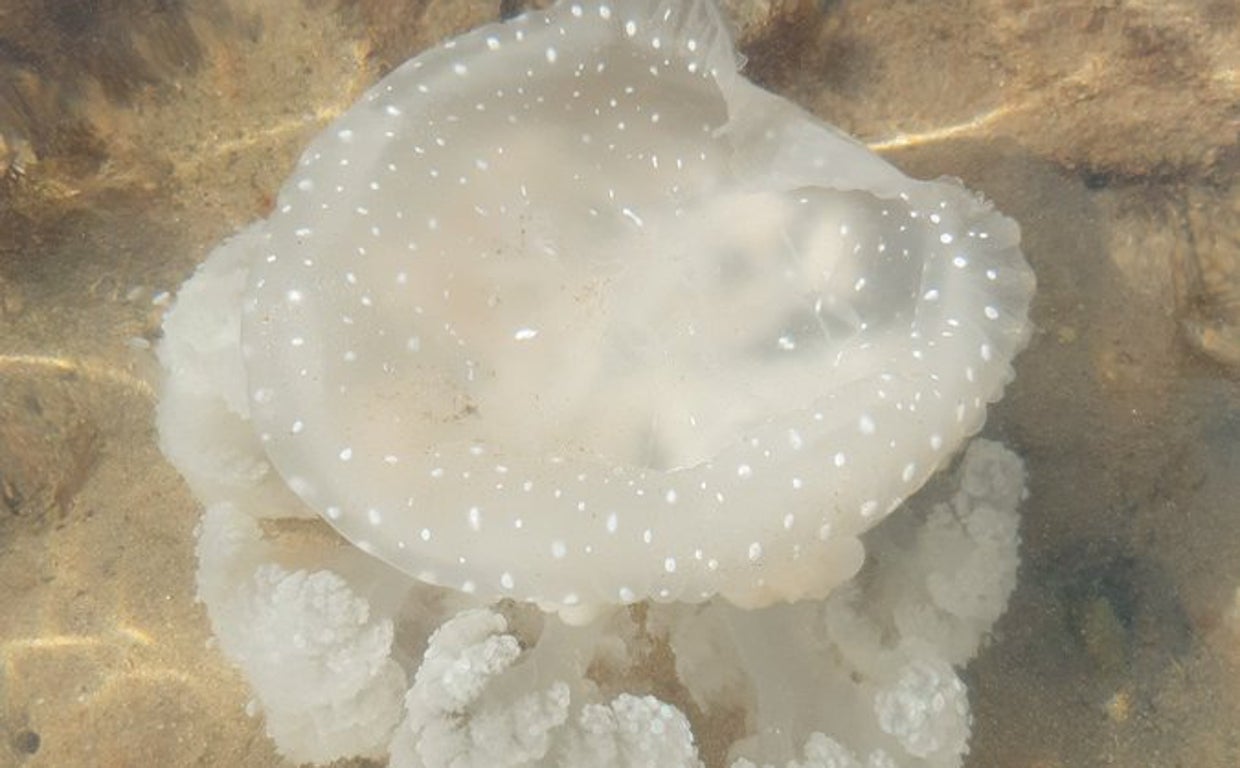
568,311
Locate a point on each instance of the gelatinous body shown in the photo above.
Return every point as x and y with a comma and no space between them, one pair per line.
568,310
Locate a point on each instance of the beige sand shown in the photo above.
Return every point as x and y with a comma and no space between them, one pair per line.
132,139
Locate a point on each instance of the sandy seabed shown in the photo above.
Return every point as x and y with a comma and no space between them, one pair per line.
133,137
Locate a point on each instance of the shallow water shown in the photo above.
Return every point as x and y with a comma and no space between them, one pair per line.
133,139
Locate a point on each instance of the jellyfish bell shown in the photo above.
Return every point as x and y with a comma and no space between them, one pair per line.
568,311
